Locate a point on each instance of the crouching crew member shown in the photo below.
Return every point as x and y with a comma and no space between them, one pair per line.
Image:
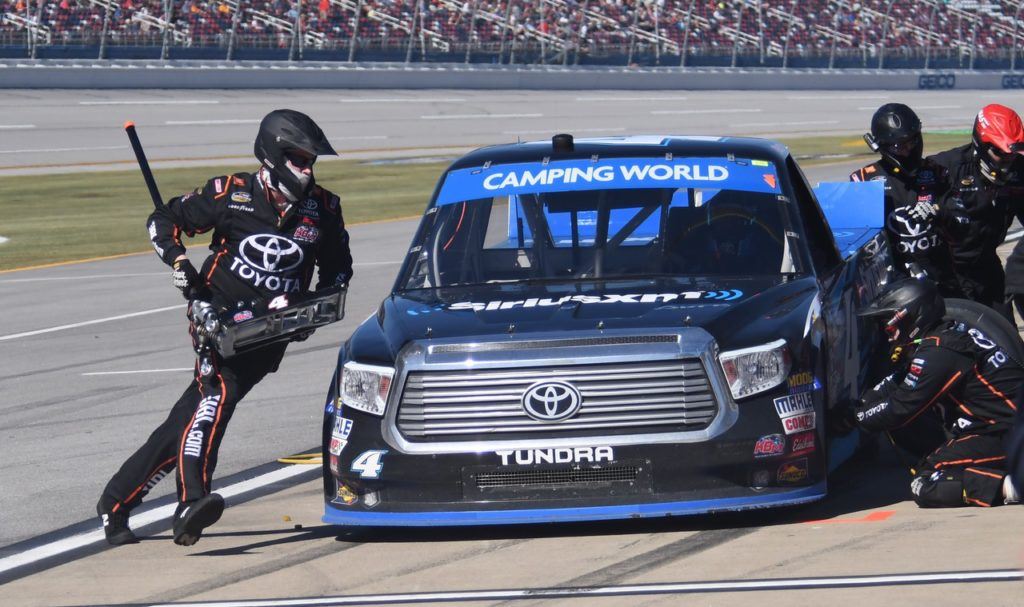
951,365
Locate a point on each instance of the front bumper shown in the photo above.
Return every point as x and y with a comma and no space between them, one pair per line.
789,497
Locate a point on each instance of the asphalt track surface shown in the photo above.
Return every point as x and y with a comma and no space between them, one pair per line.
95,353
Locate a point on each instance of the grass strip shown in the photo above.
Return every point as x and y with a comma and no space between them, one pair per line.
71,216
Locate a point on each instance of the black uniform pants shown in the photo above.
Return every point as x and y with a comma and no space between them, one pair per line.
984,281
966,471
190,436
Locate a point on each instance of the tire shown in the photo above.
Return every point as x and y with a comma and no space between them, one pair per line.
988,321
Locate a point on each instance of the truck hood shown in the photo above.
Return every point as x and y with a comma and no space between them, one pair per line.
733,310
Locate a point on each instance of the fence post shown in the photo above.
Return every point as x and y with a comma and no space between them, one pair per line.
885,33
236,17
1016,22
789,32
469,32
504,32
168,13
354,40
632,34
739,30
106,29
412,31
835,33
974,34
928,43
760,33
686,35
30,39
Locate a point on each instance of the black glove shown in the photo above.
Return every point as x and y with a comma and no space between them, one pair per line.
843,418
303,336
186,279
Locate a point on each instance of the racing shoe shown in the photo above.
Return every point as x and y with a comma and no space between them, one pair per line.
115,527
193,517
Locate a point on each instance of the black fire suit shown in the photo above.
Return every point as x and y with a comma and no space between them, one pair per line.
923,242
978,267
258,255
975,383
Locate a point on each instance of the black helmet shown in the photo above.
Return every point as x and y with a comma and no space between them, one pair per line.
908,307
896,135
287,144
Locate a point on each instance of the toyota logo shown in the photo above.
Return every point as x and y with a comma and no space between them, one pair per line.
551,401
906,226
271,253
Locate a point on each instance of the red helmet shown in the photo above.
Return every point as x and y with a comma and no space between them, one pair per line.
998,142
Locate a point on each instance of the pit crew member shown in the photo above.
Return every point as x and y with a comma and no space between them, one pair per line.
951,365
985,178
918,222
270,228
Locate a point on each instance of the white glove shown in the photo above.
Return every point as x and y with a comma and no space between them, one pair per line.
923,210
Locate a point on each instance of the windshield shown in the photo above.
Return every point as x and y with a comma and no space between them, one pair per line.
615,219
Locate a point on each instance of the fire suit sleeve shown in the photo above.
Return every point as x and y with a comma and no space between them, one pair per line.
902,396
191,214
334,258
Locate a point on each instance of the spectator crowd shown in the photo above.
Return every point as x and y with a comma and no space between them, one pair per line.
769,27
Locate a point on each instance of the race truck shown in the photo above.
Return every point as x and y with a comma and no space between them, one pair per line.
609,328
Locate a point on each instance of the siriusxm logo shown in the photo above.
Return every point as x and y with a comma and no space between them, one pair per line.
614,298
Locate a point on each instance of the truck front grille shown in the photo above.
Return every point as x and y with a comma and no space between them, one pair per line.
564,476
617,398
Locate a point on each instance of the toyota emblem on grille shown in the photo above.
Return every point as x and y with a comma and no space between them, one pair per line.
551,401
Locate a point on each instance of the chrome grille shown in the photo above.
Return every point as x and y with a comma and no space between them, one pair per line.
633,398
564,476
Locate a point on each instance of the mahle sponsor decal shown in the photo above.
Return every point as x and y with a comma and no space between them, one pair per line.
794,404
564,455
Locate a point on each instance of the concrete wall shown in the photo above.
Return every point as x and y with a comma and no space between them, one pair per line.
74,74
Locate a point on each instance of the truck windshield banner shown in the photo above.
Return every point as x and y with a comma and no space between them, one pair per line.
608,174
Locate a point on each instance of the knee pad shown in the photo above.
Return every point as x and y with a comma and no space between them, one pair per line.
937,489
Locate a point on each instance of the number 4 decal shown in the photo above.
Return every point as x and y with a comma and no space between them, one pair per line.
278,303
369,464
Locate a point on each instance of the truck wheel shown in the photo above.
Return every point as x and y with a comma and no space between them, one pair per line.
988,321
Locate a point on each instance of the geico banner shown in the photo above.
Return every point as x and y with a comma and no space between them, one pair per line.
750,175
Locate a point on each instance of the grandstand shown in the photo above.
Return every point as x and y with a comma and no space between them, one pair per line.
789,33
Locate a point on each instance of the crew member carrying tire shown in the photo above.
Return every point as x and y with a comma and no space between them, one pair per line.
270,228
955,366
920,221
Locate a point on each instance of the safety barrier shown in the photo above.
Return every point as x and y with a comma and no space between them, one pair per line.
320,75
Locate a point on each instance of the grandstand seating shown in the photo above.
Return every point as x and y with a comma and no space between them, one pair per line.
850,33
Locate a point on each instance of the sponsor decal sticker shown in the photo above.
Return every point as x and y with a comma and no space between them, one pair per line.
306,233
793,472
371,499
347,494
205,368
217,185
565,455
608,173
770,446
241,197
310,205
333,462
241,207
337,445
794,404
804,443
762,478
803,382
629,298
242,316
238,181
799,423
342,427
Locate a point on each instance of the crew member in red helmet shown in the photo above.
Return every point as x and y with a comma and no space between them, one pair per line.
987,176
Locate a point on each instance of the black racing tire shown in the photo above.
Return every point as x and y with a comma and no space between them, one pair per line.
988,321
